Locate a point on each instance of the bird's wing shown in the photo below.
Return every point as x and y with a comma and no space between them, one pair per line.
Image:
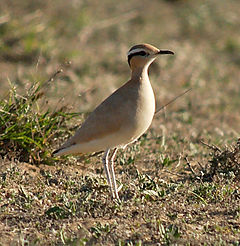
107,118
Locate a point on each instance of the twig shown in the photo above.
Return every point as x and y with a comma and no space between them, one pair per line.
173,173
173,100
189,165
45,84
51,79
54,75
213,147
201,166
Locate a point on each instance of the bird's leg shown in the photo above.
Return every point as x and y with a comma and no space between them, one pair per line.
106,168
113,174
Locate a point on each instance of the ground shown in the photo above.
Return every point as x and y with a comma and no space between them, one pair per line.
179,183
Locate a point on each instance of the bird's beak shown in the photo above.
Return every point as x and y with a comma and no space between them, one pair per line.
165,52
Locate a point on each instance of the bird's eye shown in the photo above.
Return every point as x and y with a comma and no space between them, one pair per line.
142,53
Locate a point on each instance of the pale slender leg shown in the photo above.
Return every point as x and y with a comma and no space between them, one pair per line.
114,184
106,168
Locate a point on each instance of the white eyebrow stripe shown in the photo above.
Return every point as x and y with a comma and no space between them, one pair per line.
135,51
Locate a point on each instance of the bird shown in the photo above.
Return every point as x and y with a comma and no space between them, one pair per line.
121,118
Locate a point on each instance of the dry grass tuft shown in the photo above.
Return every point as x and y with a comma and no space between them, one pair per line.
225,163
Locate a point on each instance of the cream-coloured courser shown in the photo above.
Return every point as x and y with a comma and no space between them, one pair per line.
121,118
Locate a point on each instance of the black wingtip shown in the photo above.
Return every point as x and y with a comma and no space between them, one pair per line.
55,152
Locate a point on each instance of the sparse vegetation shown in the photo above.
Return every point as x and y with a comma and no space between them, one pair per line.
179,184
27,130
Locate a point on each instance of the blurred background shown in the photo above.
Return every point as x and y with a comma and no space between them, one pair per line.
164,199
38,37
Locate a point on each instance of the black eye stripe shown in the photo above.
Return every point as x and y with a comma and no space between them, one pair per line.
140,53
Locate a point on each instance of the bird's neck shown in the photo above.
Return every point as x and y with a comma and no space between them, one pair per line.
140,73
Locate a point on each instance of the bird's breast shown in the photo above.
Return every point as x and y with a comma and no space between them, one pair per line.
142,112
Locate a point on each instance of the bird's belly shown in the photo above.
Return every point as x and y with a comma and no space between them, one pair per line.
117,139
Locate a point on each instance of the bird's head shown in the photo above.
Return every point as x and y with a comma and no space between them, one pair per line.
142,55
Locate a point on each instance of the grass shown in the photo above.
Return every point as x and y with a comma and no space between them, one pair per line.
179,183
26,129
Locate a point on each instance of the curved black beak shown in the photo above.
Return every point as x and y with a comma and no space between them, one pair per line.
165,52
